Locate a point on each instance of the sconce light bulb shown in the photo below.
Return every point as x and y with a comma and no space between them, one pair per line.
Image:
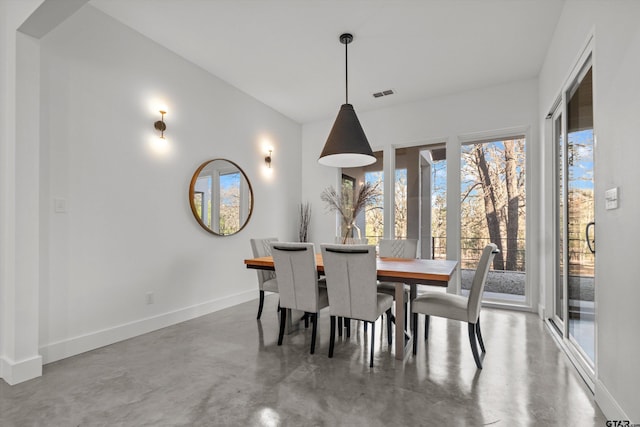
267,160
160,124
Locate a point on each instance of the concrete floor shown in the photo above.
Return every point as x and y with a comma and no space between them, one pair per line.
225,369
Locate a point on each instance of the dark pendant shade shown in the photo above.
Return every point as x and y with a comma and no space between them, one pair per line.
347,145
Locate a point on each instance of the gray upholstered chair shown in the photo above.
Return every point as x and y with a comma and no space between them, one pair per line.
295,265
398,248
266,279
350,271
456,307
405,248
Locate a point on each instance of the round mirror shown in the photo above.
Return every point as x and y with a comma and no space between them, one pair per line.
221,197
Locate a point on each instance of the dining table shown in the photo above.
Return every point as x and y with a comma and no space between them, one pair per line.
400,272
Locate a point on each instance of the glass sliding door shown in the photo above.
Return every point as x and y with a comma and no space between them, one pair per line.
574,285
493,210
580,215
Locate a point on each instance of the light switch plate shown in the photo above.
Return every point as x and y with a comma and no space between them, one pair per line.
611,198
60,205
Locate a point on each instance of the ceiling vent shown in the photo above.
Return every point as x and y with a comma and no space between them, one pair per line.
383,93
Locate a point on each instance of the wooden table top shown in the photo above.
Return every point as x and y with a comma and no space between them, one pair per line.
425,271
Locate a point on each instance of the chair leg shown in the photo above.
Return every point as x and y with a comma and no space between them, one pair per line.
474,348
283,320
366,325
306,320
373,337
406,315
389,333
261,304
479,335
314,323
332,339
339,326
426,327
414,326
347,326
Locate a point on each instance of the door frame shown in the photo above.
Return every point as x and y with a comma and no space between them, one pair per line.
560,110
560,328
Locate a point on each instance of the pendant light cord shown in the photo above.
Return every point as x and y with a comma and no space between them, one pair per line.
346,74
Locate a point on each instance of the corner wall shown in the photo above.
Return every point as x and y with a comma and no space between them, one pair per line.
19,56
616,67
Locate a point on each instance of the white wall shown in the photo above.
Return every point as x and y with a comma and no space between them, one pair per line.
616,68
445,119
129,229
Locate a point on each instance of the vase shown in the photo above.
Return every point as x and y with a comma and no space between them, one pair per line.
348,239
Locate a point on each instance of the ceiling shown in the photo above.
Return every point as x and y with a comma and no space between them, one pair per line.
286,53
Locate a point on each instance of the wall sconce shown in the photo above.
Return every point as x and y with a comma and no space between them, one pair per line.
267,159
160,125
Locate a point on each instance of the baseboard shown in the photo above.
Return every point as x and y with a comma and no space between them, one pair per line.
80,344
541,311
608,405
24,370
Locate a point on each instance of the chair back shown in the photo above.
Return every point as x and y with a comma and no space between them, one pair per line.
349,241
405,248
479,279
260,248
295,265
351,274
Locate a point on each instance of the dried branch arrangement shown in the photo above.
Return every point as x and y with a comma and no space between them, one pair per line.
349,209
305,218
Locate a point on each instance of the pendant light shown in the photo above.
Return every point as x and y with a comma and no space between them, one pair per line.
347,145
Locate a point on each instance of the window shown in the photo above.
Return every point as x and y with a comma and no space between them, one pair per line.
419,199
370,223
400,205
439,205
374,212
493,210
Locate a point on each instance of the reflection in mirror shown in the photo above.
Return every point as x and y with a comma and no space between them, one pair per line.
221,197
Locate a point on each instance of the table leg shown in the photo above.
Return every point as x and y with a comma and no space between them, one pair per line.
400,327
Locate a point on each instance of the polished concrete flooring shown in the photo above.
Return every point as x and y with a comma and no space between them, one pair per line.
225,369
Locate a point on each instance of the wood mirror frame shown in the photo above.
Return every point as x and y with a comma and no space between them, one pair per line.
216,184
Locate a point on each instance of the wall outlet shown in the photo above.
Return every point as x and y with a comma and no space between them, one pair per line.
150,299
